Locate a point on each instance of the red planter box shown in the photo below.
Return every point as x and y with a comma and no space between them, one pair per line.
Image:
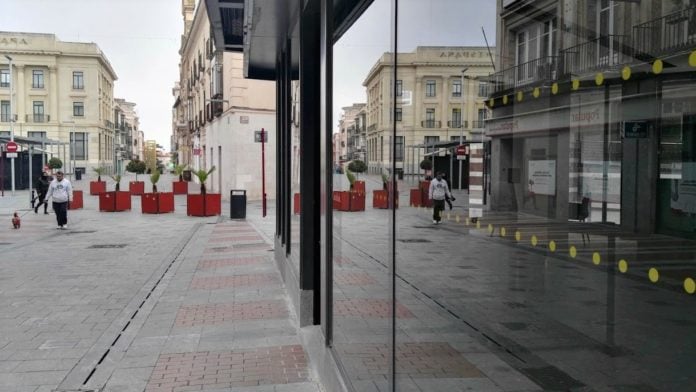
415,199
97,187
114,201
77,201
424,187
380,199
180,187
348,201
136,188
157,203
210,206
359,187
296,204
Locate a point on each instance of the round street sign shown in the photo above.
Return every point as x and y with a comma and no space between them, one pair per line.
11,147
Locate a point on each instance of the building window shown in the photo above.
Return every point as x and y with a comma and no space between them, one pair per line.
430,142
482,114
78,142
38,111
456,88
37,134
78,109
429,88
5,133
37,79
398,115
399,148
78,80
483,89
456,118
4,78
5,111
536,41
429,118
399,88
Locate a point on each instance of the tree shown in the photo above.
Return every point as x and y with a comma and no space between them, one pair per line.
99,170
179,170
55,163
202,176
426,164
136,166
154,177
357,166
351,178
117,178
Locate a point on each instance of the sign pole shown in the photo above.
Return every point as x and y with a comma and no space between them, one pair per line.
263,170
12,160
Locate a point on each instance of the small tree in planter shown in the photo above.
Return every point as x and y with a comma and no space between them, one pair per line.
357,166
352,200
426,165
99,186
204,204
55,163
180,187
156,202
138,167
115,200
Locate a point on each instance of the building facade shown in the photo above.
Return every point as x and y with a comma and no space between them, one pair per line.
63,92
575,79
126,125
440,100
578,274
224,111
351,127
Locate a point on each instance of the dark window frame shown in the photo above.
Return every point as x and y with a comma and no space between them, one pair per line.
430,88
5,77
37,78
78,80
78,109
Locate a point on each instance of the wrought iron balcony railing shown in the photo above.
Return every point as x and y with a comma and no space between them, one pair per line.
670,33
38,118
431,124
478,124
604,52
538,70
456,124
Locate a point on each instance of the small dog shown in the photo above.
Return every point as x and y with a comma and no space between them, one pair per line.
16,221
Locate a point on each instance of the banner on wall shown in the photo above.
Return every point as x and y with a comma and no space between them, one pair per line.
684,190
542,177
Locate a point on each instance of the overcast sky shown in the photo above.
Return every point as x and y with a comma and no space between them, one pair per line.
421,23
139,37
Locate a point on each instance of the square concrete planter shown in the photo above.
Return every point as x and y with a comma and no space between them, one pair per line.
97,187
157,203
136,188
180,187
198,205
114,201
77,201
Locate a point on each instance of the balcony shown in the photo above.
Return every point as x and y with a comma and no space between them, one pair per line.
371,127
38,118
477,124
601,53
455,124
5,117
535,71
668,34
431,124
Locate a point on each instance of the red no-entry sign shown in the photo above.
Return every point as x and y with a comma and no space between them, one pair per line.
12,147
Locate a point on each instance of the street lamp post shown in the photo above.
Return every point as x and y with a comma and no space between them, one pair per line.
12,160
461,131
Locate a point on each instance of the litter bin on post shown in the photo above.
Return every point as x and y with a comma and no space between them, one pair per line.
78,175
238,204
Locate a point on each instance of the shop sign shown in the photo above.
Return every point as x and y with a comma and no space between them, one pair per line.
542,177
635,130
545,121
586,115
196,151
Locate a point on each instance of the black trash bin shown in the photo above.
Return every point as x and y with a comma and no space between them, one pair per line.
238,204
78,175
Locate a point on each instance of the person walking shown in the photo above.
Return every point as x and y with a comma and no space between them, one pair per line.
61,191
41,188
438,192
448,199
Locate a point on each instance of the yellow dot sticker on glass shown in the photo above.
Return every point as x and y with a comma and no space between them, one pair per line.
535,241
490,228
505,99
573,251
478,224
576,84
520,96
626,73
623,266
689,285
554,88
599,79
491,102
536,92
552,246
448,216
657,67
456,218
653,275
596,258
692,59
502,232
518,235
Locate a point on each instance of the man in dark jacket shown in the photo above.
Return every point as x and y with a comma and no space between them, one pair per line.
41,189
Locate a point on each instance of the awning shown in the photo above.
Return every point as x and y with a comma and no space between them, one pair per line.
32,141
